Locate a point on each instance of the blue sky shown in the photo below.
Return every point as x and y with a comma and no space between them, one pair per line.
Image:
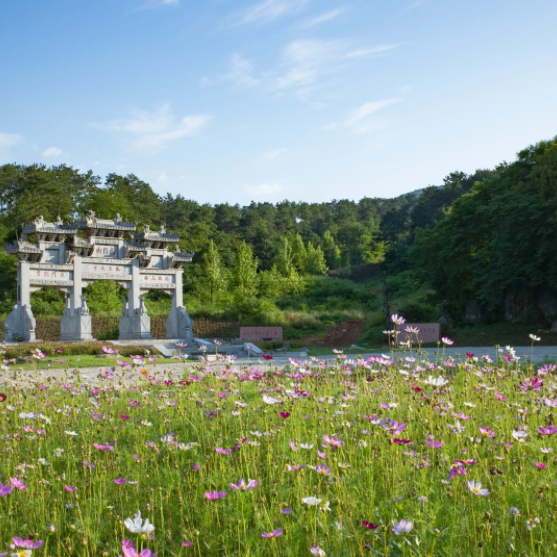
240,100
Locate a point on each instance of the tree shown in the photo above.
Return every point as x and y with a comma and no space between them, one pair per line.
283,259
330,250
315,261
214,273
244,282
298,252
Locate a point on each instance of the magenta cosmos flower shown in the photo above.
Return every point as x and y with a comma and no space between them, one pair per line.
274,534
5,489
103,447
213,495
120,481
27,544
434,444
477,489
243,486
70,488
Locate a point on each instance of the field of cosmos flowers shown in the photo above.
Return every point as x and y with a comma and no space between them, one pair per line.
395,454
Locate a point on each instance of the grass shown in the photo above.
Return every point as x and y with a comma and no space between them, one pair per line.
354,443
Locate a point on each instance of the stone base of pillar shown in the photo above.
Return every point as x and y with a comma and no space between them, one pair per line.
76,323
20,325
135,326
134,323
76,327
179,324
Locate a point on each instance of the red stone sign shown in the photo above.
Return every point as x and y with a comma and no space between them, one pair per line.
429,332
261,333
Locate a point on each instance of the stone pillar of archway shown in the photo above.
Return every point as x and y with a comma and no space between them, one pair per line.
134,321
20,324
179,324
76,321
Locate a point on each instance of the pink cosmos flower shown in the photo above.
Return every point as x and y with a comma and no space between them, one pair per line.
134,403
243,486
187,544
214,495
223,451
27,544
434,444
120,481
293,445
487,432
129,550
17,483
540,465
500,397
274,534
284,415
323,470
477,489
402,527
447,341
70,488
124,417
286,511
196,467
333,441
322,454
461,416
109,350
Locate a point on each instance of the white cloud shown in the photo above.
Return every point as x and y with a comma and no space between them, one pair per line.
275,154
52,152
327,16
154,131
302,63
262,190
8,140
270,10
241,72
358,121
162,177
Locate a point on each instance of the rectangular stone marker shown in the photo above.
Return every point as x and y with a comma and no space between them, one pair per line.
429,332
261,333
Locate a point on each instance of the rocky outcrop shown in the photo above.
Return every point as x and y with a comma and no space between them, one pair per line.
547,304
446,321
521,306
474,313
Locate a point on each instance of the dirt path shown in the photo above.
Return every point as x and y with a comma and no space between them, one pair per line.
344,333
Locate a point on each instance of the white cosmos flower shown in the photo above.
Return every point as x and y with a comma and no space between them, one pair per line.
520,435
137,526
306,446
546,450
311,501
271,400
71,433
436,382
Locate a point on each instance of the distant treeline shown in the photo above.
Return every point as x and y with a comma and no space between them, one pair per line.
474,236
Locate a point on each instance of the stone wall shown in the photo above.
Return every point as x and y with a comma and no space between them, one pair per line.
106,328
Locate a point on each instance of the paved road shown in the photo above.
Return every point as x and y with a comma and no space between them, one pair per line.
542,353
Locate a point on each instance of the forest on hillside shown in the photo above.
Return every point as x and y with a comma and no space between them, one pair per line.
485,240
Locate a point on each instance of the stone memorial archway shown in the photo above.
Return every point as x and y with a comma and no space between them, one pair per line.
61,257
